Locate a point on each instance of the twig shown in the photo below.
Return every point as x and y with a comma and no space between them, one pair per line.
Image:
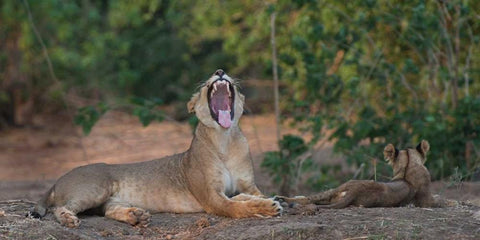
361,237
370,72
444,15
52,237
336,62
359,170
300,159
44,48
275,76
16,201
467,62
410,88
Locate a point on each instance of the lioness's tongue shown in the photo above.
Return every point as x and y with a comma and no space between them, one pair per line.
224,118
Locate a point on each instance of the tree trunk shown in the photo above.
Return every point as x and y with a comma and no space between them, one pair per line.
18,110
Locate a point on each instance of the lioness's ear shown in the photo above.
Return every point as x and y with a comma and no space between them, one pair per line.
423,147
390,152
192,102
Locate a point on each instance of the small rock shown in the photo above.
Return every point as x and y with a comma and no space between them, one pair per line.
476,215
2,213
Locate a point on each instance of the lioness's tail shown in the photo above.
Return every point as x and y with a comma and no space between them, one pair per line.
46,201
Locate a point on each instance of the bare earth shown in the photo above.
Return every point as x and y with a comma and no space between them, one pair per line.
31,158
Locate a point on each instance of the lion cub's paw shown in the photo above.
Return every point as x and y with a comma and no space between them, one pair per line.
138,217
282,200
279,198
291,202
67,218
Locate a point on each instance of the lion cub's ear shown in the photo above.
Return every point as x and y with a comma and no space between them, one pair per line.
192,102
423,147
390,152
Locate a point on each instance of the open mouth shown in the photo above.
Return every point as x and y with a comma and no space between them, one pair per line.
221,96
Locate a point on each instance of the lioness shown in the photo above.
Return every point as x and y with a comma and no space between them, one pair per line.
215,167
411,181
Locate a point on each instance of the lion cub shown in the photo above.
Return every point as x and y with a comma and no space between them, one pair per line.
411,183
216,166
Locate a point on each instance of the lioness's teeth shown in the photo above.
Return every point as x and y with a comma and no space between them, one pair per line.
229,93
214,87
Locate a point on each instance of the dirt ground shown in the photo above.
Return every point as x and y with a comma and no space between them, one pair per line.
31,158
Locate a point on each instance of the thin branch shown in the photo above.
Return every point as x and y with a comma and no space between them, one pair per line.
407,85
444,16
336,62
466,68
39,37
14,201
377,61
457,55
275,76
359,170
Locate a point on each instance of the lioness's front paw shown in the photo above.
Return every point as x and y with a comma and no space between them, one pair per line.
278,207
138,217
267,208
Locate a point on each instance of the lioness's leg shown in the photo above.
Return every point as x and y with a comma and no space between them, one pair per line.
68,204
242,207
249,187
244,197
124,212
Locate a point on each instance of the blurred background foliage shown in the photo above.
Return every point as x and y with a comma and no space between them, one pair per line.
359,73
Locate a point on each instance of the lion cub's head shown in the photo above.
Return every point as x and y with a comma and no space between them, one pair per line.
403,161
217,104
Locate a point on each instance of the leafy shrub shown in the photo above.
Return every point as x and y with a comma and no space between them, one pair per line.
284,164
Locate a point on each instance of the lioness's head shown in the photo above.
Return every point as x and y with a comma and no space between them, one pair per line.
400,160
217,104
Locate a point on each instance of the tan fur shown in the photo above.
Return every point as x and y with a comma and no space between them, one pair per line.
415,173
217,165
411,183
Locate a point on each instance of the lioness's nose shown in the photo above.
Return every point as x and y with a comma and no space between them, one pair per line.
219,72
